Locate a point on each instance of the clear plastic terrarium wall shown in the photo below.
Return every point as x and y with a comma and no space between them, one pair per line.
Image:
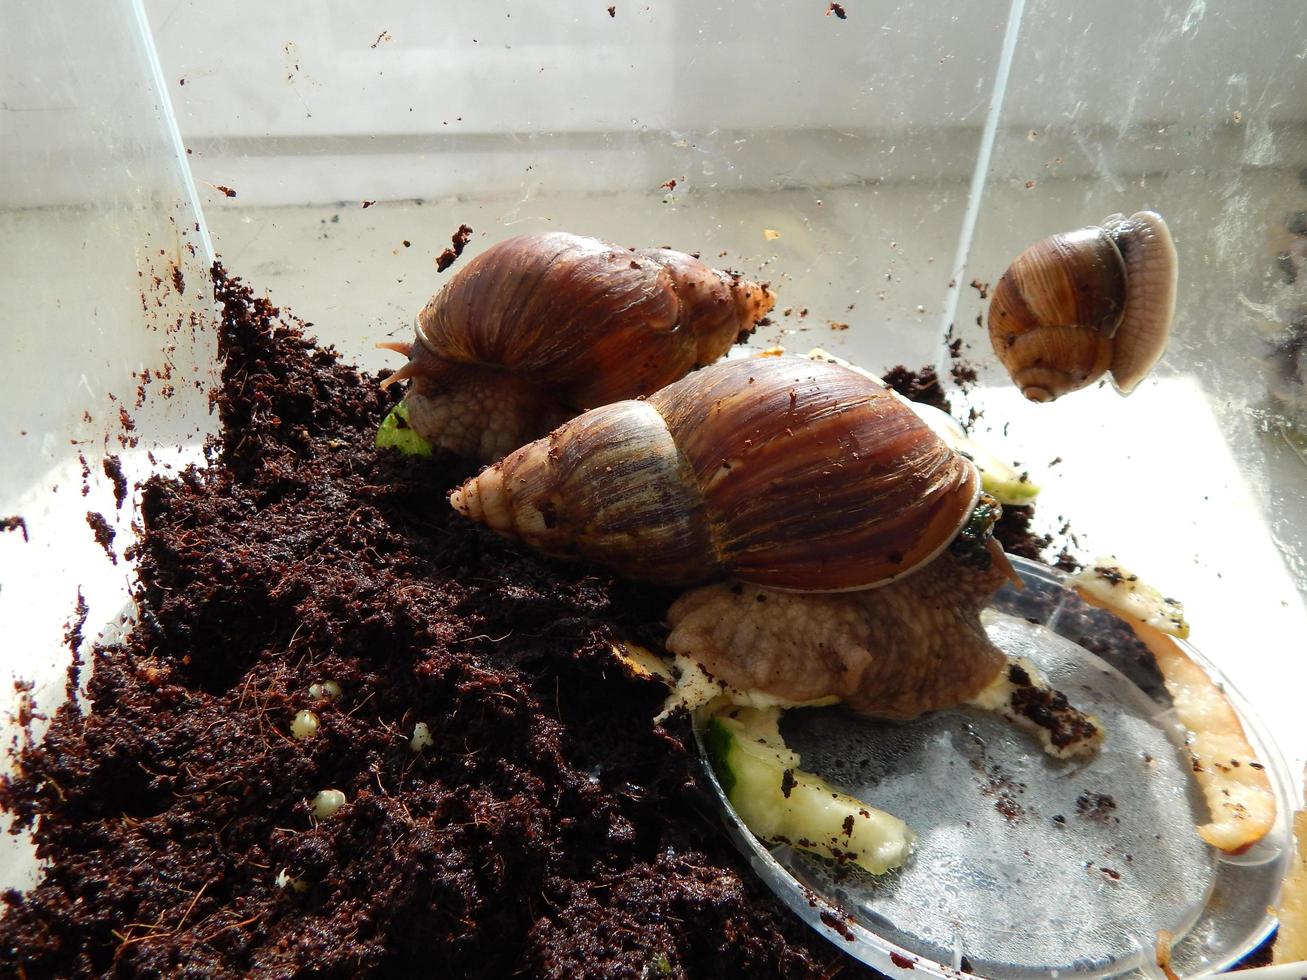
871,160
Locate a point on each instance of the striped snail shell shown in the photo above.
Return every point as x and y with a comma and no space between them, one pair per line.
542,326
782,472
1076,305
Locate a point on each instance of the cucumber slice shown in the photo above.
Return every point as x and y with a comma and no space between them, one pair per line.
396,433
779,801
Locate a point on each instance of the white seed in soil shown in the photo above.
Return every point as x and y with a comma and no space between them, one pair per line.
304,725
421,737
326,804
284,880
326,689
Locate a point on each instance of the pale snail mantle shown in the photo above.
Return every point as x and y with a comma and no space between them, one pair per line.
835,531
542,326
1077,305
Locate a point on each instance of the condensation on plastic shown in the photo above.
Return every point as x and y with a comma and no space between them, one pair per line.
1026,865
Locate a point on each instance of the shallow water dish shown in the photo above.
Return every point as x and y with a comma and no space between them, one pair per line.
1027,866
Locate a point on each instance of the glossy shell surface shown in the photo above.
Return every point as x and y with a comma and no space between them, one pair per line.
1055,311
590,321
783,472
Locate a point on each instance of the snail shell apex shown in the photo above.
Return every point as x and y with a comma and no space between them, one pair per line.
781,472
1079,304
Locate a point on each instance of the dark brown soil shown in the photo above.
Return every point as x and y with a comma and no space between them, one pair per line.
113,469
963,371
458,242
1097,807
104,534
1013,530
918,386
550,830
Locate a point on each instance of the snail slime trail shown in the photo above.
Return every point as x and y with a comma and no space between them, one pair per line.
537,831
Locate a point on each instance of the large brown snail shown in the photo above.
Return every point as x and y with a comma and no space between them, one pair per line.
1077,305
846,547
542,326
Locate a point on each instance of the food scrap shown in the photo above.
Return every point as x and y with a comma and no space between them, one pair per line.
396,433
780,802
1110,585
1233,780
1022,695
1291,942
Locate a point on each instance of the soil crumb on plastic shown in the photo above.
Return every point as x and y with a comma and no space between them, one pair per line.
113,469
1097,807
919,386
104,534
459,242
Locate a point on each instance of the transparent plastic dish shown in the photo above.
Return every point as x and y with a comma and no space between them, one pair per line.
1027,866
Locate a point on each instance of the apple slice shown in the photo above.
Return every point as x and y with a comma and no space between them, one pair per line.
1109,585
1233,781
1291,942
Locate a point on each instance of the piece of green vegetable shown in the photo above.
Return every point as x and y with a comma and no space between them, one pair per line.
1006,485
778,801
998,479
396,433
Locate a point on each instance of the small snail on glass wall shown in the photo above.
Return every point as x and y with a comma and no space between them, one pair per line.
1080,304
837,548
542,326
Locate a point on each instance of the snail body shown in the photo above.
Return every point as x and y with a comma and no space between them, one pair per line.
809,483
542,326
1077,305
